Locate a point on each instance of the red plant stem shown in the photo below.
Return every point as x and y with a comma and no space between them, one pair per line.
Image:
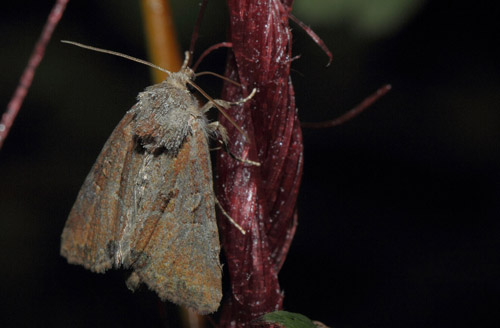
29,72
313,36
352,112
260,199
209,50
197,25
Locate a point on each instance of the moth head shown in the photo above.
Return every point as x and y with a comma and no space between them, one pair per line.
183,77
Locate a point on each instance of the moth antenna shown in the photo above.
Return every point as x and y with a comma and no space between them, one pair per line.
187,56
233,156
118,54
222,111
230,218
219,76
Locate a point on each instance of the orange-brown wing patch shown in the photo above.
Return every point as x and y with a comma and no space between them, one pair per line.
177,248
91,231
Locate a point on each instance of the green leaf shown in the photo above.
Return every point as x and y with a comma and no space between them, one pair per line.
288,319
364,17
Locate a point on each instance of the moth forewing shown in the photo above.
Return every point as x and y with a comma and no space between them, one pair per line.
148,202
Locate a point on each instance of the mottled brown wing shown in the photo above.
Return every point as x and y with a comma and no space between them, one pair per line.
154,213
175,249
93,225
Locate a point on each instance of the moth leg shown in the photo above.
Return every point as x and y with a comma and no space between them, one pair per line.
217,129
226,104
220,131
215,148
229,217
209,105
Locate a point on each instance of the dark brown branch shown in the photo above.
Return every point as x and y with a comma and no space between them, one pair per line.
29,72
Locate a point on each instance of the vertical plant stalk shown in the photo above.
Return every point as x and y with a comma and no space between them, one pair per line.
163,48
260,199
161,38
29,72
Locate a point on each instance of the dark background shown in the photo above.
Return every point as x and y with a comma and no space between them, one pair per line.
398,208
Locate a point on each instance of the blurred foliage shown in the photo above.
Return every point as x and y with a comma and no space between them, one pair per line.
364,17
288,319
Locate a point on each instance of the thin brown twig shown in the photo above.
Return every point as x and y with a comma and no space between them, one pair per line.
29,72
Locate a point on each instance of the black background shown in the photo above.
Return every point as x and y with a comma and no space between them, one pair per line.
398,208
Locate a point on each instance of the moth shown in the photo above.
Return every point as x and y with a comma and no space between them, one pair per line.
148,203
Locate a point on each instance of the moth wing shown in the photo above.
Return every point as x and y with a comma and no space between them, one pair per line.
153,213
92,228
175,250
